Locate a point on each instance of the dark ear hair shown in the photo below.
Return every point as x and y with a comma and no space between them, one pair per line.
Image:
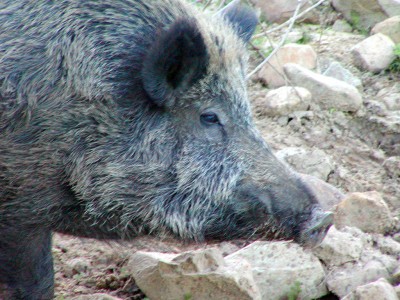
175,61
241,17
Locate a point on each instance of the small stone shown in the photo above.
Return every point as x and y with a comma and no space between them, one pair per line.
392,101
285,100
338,248
342,26
396,274
366,211
392,166
326,91
79,265
396,237
272,72
390,27
336,70
374,54
389,246
295,36
380,289
280,266
312,162
397,289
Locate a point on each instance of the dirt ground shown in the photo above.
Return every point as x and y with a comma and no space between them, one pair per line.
357,144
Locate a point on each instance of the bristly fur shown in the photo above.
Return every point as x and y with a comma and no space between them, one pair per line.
101,132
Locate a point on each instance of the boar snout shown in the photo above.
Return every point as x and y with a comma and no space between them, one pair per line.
314,231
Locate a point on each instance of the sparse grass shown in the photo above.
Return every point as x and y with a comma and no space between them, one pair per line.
294,291
355,21
188,296
305,39
394,67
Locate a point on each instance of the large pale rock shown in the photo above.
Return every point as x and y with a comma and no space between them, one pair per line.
390,7
272,72
380,289
312,162
201,274
397,289
364,14
366,211
285,100
375,53
345,279
389,27
328,196
326,91
278,11
387,245
279,266
339,247
98,296
336,70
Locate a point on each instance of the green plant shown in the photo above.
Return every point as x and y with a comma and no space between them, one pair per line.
305,39
294,291
395,64
188,296
356,22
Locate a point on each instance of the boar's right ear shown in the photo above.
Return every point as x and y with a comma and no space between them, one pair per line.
241,17
175,61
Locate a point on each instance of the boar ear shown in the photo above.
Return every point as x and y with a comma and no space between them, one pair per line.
175,61
241,17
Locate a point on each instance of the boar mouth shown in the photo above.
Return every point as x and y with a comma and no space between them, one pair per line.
313,231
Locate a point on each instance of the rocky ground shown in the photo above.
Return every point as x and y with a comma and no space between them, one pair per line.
353,145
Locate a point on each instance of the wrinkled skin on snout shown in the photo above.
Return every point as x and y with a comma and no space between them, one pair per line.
124,118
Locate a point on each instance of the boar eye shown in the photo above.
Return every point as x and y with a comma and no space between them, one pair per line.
209,118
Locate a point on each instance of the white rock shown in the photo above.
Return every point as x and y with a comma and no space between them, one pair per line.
345,279
396,274
397,289
284,100
342,26
272,73
338,248
295,36
387,245
328,196
390,7
326,91
366,211
389,27
336,70
278,11
279,266
375,53
380,289
201,274
390,97
98,296
392,166
363,14
312,162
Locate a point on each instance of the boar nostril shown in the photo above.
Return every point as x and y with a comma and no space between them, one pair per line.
316,231
326,220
